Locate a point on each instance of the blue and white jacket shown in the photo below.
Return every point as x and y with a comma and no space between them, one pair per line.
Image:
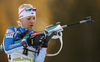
13,48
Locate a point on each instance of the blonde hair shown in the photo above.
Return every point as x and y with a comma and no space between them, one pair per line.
23,6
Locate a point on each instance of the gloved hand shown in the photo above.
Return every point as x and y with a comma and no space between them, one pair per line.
35,40
48,37
23,34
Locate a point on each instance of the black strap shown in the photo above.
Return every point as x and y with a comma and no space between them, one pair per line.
9,57
25,52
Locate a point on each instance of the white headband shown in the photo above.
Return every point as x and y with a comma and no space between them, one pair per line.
22,13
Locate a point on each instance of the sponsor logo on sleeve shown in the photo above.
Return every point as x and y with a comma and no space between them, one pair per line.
10,31
10,46
9,35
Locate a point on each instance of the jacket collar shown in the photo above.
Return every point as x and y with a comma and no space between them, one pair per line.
24,29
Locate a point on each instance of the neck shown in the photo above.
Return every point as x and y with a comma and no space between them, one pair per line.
26,28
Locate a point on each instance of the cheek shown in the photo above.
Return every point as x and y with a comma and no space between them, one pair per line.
35,21
25,23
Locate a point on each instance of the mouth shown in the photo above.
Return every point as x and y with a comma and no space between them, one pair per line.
31,25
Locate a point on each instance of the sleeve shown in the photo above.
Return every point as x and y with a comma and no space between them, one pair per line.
9,46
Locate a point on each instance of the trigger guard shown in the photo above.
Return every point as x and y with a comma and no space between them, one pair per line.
61,41
59,34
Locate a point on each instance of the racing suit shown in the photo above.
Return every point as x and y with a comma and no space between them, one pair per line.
15,50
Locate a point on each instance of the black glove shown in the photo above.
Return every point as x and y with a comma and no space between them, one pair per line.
19,37
23,34
48,37
35,40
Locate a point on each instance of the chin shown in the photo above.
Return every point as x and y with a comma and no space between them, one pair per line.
30,28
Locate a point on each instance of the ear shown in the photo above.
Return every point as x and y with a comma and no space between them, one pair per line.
20,20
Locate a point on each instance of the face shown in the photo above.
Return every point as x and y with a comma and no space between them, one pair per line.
28,22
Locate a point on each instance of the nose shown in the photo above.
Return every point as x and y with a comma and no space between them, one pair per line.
33,20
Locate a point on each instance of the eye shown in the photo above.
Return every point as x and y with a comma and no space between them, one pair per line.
28,18
33,17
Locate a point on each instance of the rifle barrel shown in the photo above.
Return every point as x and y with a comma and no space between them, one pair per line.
83,21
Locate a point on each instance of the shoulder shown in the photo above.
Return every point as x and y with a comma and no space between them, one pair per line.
11,29
34,31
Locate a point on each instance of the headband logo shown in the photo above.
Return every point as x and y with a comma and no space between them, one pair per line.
32,13
21,16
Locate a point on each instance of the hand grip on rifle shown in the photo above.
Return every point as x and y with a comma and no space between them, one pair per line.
47,38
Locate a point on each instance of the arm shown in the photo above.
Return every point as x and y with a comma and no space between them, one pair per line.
9,45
